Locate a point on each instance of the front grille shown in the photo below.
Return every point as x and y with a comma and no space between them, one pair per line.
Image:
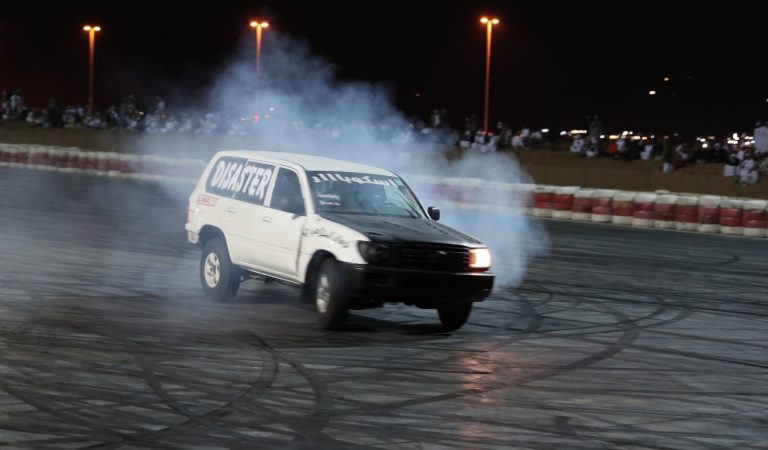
377,279
433,257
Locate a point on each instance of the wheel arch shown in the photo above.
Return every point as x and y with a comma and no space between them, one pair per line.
209,232
314,264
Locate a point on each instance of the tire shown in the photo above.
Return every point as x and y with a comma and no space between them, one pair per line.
455,316
307,294
219,278
330,297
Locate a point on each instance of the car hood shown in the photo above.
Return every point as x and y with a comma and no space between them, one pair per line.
403,229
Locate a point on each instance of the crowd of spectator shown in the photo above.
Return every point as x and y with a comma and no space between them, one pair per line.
155,117
501,137
742,155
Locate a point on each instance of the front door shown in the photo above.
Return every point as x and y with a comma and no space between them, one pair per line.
282,223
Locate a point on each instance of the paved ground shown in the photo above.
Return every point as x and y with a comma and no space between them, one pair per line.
618,338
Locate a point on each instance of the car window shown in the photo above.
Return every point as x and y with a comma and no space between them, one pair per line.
286,195
361,193
241,179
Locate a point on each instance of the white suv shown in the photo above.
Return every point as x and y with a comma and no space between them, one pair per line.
353,236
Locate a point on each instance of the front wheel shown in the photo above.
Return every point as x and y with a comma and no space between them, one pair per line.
454,317
220,279
330,298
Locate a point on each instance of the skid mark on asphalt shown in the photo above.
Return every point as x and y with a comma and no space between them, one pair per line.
616,339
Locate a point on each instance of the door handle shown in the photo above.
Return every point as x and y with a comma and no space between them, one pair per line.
231,210
266,219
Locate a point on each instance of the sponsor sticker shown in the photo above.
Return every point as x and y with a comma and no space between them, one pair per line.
206,200
241,179
350,178
329,200
330,235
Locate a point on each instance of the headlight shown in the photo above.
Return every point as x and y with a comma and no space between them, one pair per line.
373,252
479,258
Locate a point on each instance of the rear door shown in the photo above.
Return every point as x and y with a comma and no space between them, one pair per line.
242,183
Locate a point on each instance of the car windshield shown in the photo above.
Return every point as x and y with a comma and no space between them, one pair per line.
362,193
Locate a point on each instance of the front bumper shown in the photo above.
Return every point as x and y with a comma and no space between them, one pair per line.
424,288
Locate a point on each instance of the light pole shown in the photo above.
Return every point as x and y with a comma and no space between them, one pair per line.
489,23
91,42
258,26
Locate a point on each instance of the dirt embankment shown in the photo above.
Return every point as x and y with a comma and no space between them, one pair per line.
545,166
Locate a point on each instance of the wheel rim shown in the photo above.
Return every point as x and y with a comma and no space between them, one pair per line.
212,270
323,294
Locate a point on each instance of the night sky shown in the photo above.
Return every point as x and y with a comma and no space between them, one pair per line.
553,63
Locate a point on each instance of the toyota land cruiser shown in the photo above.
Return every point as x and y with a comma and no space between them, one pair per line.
352,236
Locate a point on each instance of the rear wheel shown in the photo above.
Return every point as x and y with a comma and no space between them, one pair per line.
330,298
219,278
455,316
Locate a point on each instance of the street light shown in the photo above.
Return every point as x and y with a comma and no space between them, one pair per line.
258,26
91,42
489,26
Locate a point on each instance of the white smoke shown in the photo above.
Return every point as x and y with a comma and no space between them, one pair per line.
305,108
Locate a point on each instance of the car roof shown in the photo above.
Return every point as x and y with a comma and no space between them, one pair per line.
308,162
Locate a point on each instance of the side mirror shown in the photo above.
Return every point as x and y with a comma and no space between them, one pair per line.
434,213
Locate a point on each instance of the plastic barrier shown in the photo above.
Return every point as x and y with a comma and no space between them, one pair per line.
543,201
602,206
582,204
755,218
687,213
508,195
35,159
709,213
563,202
20,156
664,211
732,216
644,214
525,196
660,209
623,207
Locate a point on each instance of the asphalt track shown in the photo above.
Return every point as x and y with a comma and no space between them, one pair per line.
618,338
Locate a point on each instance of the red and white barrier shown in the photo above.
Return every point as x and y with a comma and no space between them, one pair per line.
582,204
709,213
623,207
661,209
664,211
543,201
644,214
602,206
687,213
562,207
755,218
732,217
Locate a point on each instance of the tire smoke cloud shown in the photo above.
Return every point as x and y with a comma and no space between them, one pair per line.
303,107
